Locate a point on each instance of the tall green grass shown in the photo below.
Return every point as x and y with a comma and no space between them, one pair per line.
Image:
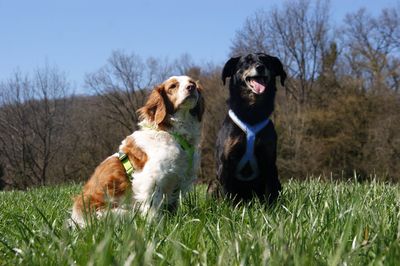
313,223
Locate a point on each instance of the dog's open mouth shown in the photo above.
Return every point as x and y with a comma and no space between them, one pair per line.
257,84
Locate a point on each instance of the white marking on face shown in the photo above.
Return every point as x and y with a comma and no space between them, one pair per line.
187,94
252,72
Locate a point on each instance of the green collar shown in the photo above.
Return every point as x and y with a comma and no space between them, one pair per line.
129,169
186,146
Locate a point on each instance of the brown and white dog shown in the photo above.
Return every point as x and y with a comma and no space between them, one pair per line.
164,153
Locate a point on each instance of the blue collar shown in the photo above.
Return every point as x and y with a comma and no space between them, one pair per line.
248,157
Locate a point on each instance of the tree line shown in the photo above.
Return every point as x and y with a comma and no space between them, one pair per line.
337,116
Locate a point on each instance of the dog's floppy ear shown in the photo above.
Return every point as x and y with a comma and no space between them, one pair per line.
229,68
279,70
198,110
154,110
277,67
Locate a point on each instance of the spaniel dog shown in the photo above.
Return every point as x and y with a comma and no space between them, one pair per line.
246,143
156,163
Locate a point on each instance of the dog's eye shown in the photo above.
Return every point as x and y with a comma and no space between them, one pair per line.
171,88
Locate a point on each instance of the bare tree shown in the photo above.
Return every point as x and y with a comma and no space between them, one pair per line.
371,48
121,84
33,123
253,37
298,34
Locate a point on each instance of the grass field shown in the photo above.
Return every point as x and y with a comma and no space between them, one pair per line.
314,223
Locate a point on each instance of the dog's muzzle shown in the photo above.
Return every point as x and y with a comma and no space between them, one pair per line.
256,79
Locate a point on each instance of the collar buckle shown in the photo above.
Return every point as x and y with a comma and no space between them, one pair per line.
129,169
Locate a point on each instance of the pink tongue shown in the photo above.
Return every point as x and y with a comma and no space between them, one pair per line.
257,87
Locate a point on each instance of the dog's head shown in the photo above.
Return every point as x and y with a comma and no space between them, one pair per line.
256,72
178,93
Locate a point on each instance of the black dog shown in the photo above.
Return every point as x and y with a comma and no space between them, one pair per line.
246,144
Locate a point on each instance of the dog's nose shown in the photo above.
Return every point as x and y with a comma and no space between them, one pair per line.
190,87
260,68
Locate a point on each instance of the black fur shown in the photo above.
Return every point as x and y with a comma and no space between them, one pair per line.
251,108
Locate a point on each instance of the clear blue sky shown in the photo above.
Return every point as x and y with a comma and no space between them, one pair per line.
79,35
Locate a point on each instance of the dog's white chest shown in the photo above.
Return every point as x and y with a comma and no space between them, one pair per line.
169,169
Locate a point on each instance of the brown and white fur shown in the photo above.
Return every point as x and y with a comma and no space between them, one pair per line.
163,169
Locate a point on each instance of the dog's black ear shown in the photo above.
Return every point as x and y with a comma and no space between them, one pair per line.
229,68
279,70
277,67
